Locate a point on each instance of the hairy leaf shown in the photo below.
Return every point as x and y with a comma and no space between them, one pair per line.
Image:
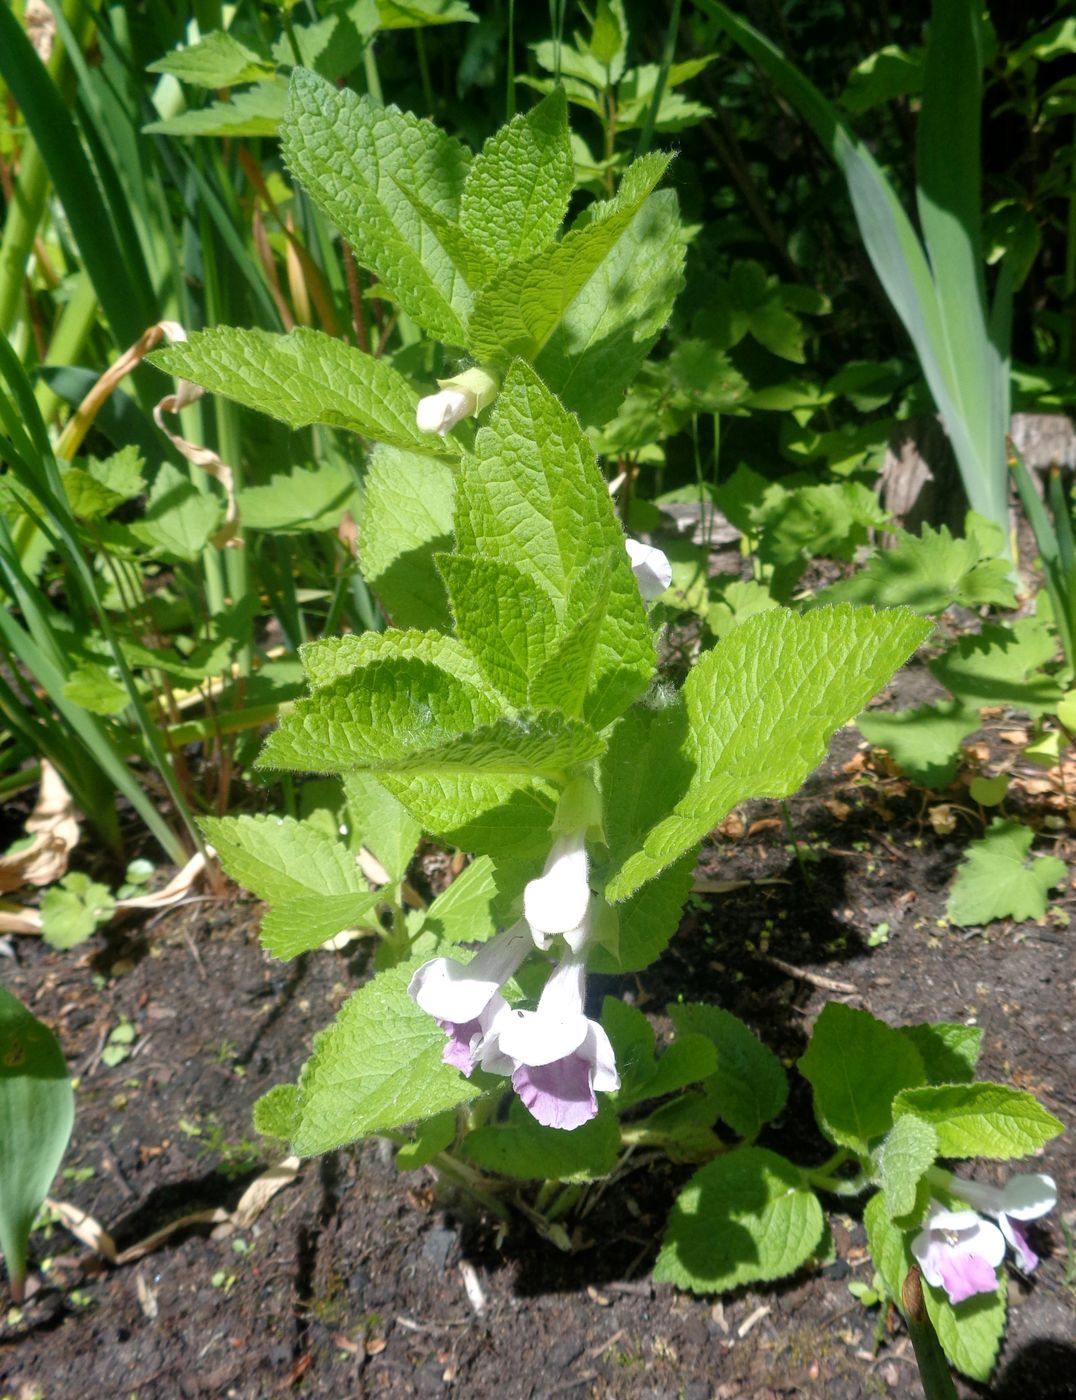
358,161
743,1218
301,378
761,708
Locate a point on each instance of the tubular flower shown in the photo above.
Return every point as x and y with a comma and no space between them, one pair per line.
1023,1197
558,901
959,1251
652,570
556,1055
460,397
439,412
465,998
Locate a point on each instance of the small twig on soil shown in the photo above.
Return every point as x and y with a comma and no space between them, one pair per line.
749,1322
826,984
412,1326
95,1058
114,1167
582,1379
638,1290
193,949
597,1351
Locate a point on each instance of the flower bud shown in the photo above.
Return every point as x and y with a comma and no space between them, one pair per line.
437,413
652,570
460,397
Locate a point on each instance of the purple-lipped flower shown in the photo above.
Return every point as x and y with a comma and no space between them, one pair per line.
959,1251
465,998
557,1056
1024,1197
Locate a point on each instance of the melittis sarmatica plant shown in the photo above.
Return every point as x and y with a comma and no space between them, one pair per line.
512,711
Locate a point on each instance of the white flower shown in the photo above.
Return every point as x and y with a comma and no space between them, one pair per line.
462,396
465,997
556,1055
652,570
559,900
439,412
1025,1196
959,1251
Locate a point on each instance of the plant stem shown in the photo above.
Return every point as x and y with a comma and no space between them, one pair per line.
787,814
933,1367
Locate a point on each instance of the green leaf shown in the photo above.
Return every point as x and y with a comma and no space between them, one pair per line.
380,822
479,814
431,1137
503,616
910,1147
564,679
749,1087
463,912
179,520
612,322
88,498
925,742
376,716
997,880
856,1064
928,573
644,772
761,708
888,1245
980,1120
648,919
303,923
93,687
72,910
280,859
300,500
301,378
378,1066
739,600
632,1038
518,187
880,77
683,1128
949,1050
969,1332
406,521
276,1113
357,161
519,309
532,499
744,1218
516,748
216,61
688,1060
333,658
257,111
120,474
37,1111
1002,666
523,1148
418,14
989,792
404,717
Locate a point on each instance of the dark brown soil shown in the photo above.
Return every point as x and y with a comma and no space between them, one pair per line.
358,1281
